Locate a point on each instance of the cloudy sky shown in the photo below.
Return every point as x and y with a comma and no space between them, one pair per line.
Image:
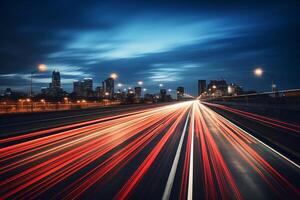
167,42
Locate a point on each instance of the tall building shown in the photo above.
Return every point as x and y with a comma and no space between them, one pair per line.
217,88
87,86
54,89
77,88
201,87
99,92
109,87
163,95
55,79
138,92
180,93
83,88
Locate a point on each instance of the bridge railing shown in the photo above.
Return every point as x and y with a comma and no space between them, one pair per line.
287,97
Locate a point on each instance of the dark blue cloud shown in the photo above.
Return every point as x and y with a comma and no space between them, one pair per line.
158,42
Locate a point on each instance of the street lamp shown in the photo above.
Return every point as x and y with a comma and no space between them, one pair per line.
258,72
113,76
41,68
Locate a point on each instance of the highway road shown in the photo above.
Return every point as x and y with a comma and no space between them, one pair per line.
177,151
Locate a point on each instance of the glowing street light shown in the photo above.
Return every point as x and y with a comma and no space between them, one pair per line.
140,82
144,89
169,90
160,85
214,87
258,72
114,76
42,67
119,85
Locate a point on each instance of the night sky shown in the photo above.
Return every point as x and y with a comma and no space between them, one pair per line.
168,42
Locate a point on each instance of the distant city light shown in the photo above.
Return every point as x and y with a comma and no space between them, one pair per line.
140,82
120,85
229,89
144,89
258,72
160,85
170,90
214,87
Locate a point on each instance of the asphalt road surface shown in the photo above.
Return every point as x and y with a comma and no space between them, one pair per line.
178,151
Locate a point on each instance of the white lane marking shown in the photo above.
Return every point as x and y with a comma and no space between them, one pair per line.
171,177
264,144
191,168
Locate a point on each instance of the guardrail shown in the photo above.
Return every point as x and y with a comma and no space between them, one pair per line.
278,97
8,107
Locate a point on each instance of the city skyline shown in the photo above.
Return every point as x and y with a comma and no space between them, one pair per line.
210,43
160,99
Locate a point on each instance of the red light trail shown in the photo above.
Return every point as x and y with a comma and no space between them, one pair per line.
126,155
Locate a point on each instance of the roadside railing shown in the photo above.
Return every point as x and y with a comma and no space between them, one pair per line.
16,107
288,97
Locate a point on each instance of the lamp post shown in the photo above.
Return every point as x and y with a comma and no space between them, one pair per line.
113,76
41,68
159,87
259,72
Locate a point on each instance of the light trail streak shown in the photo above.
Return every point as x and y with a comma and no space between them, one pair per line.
67,162
259,164
169,185
267,120
191,167
140,172
222,172
73,159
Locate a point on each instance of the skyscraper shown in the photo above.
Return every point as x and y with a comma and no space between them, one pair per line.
87,84
109,87
217,88
55,79
201,87
138,92
77,88
180,93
